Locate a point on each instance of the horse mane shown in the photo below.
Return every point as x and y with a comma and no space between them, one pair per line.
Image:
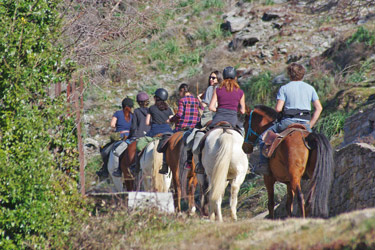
272,113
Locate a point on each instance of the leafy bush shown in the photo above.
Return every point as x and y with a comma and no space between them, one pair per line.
260,90
332,124
38,201
363,35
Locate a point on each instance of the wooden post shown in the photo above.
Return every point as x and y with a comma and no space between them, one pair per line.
68,97
81,91
80,144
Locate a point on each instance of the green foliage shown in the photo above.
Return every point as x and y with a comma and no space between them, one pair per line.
363,35
260,90
37,140
332,124
324,85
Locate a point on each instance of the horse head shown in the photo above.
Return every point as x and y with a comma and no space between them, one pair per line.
256,122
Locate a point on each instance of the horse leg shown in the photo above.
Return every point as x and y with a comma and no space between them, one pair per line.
289,201
269,181
215,208
177,189
192,185
235,187
296,189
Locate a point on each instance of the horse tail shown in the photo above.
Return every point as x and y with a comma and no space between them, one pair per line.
222,158
321,181
157,179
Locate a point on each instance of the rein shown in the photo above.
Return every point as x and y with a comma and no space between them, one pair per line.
250,132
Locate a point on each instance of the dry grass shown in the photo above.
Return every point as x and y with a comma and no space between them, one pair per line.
147,229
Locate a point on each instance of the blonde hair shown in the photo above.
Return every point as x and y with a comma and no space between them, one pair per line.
229,84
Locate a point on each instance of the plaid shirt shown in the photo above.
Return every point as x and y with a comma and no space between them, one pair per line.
188,113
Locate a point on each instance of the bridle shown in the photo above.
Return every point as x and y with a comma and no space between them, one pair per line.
250,132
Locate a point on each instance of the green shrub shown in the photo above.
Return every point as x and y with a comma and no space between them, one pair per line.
332,124
260,90
38,156
363,35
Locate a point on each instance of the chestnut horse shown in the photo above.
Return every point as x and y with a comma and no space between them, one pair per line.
173,159
291,161
127,159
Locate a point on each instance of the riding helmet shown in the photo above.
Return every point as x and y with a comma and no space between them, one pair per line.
229,72
162,94
142,96
127,102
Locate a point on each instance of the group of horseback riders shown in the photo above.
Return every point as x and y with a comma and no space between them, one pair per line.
222,101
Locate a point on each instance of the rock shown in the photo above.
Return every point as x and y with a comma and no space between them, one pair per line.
242,41
234,24
89,142
280,79
269,16
293,58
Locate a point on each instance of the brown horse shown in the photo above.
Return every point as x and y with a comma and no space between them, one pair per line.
292,160
128,159
173,159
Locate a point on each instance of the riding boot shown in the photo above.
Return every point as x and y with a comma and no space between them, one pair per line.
199,169
137,168
164,168
189,160
117,172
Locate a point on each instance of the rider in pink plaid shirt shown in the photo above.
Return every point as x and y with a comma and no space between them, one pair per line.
188,110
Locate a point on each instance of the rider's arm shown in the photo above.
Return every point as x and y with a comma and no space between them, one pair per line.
148,119
279,105
212,106
242,103
113,122
318,109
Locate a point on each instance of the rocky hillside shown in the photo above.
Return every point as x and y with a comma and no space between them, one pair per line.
259,39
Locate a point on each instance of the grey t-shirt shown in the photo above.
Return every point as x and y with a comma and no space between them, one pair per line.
208,95
297,95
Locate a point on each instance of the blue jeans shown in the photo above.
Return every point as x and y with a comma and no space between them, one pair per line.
278,127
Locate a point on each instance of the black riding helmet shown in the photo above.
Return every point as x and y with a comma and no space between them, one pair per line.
229,72
162,94
127,102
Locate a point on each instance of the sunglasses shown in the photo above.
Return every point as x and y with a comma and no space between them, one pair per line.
213,77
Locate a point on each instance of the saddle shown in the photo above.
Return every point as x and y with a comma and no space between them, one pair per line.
163,143
220,125
272,140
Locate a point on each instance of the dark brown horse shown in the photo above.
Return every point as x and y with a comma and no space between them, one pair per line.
173,159
126,160
292,160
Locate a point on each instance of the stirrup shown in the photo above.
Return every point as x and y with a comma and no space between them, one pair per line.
199,169
117,172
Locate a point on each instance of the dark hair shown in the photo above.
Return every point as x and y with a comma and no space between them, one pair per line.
127,111
160,104
218,75
296,71
143,104
184,86
127,102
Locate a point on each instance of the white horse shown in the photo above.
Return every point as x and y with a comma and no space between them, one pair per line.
224,161
150,163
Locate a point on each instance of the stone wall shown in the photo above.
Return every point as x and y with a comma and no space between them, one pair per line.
360,127
354,180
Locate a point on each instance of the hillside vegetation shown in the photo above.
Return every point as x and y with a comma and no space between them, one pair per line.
121,47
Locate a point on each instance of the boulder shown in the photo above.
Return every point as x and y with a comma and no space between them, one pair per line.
234,24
